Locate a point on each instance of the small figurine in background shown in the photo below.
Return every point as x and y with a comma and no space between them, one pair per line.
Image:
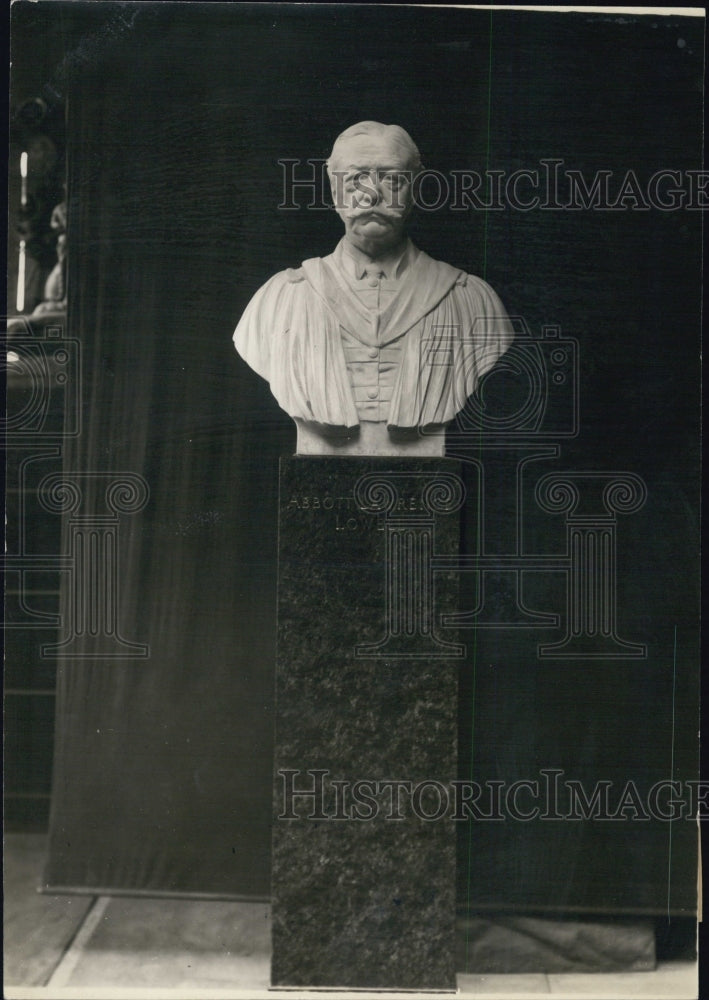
54,300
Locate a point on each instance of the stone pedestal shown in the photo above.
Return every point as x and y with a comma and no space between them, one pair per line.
364,846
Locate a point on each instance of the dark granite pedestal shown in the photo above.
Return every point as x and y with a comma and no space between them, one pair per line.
364,844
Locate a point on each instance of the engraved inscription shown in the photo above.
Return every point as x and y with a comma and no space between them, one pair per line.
342,510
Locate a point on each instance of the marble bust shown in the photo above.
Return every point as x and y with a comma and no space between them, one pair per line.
374,349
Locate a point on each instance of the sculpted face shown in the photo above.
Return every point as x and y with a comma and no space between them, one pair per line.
371,179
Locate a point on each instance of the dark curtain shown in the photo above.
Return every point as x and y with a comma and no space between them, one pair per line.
177,116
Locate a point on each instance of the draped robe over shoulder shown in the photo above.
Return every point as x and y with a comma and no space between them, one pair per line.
451,326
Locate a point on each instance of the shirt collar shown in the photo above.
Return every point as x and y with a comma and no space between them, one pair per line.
355,263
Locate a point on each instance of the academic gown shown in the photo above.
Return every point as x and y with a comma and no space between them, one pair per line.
452,328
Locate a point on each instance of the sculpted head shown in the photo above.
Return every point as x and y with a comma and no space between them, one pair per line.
371,170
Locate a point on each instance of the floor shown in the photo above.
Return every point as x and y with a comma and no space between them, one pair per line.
110,946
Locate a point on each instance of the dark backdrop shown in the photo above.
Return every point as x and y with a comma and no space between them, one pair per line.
177,115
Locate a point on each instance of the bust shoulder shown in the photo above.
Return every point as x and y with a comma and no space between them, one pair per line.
470,286
276,290
288,276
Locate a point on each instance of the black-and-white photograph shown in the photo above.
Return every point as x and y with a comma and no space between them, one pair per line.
353,500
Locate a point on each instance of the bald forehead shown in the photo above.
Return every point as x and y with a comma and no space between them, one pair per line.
378,152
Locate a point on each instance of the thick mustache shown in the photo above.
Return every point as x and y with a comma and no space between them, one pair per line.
369,214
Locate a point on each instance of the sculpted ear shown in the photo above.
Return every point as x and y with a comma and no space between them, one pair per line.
336,185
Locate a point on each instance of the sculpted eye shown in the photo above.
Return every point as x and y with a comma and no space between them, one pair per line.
355,182
395,180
